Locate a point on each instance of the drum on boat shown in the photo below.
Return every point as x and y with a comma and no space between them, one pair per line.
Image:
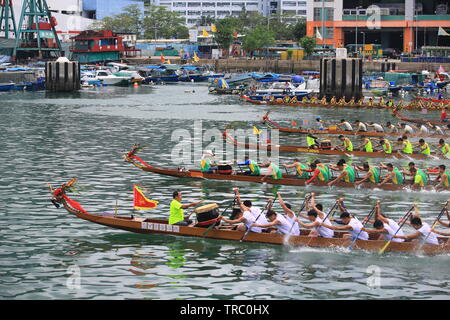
224,168
325,144
207,214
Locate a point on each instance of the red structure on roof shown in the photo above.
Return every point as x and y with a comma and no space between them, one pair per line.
97,41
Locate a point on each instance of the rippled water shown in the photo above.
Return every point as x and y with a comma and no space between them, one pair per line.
50,138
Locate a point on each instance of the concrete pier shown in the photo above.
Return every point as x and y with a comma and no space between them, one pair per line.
341,78
62,75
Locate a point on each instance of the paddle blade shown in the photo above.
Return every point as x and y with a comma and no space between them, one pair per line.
384,248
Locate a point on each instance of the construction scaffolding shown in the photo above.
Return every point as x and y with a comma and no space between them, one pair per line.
7,20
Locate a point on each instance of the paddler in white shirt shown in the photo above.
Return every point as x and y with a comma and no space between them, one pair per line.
316,216
424,234
289,215
277,221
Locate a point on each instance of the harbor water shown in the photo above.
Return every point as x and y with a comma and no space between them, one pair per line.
46,253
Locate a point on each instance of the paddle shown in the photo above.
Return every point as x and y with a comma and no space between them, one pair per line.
368,218
266,208
405,217
301,209
221,214
436,222
329,212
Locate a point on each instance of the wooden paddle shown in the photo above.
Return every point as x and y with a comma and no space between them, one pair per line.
266,208
368,218
301,209
405,217
221,214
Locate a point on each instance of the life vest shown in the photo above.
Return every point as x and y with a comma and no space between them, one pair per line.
368,147
294,100
421,178
254,168
375,178
305,99
408,149
324,172
286,99
348,144
446,149
427,150
387,147
276,173
446,183
205,165
351,175
310,141
300,171
398,177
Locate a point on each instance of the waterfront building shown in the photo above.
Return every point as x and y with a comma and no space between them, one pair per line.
403,25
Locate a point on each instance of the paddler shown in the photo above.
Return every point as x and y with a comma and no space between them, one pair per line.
315,215
444,148
377,127
404,145
320,123
361,102
382,103
206,164
289,216
320,172
442,179
347,145
420,179
444,115
352,101
299,169
323,101
314,99
252,166
277,221
177,216
394,175
366,144
274,171
400,104
342,101
247,205
423,233
373,174
386,145
390,103
305,100
390,222
424,148
333,100
347,173
360,126
352,225
390,128
347,126
445,224
312,141
293,100
406,128
370,102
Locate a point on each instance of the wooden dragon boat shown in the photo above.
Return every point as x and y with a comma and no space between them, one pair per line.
433,100
419,121
288,179
410,106
329,131
150,226
330,152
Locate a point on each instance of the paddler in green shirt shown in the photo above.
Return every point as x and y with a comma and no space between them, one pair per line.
274,171
347,145
347,172
424,148
444,148
373,175
420,179
386,145
176,210
206,164
394,175
299,169
366,145
405,146
252,166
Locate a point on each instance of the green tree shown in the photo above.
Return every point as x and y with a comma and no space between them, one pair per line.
129,21
160,23
299,29
225,29
308,44
258,38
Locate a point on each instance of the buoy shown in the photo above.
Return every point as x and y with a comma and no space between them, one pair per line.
135,84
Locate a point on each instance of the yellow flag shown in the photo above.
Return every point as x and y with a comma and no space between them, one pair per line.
168,62
196,58
213,28
256,131
205,33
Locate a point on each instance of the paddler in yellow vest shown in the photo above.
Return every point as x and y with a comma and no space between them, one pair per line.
352,101
286,99
443,148
386,145
361,102
443,178
400,104
347,173
342,101
424,148
420,179
314,99
373,174
206,164
252,166
293,100
323,101
333,101
311,141
274,171
394,175
404,145
305,100
391,104
299,169
370,102
347,145
382,103
366,144
320,172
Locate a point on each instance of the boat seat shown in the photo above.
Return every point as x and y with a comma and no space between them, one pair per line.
139,219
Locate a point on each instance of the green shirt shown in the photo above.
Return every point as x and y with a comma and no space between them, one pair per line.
300,171
205,165
350,174
254,168
421,178
348,145
408,149
276,173
176,212
426,150
387,147
368,147
375,178
398,177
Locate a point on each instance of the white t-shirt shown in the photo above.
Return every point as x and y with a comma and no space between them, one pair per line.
439,130
430,237
295,231
284,225
391,128
324,232
261,218
390,234
249,219
408,129
378,128
424,129
347,125
362,127
357,226
394,226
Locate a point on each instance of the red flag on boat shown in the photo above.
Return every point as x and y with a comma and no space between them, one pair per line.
294,124
141,202
162,58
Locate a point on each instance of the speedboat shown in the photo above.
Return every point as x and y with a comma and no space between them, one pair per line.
106,78
280,90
